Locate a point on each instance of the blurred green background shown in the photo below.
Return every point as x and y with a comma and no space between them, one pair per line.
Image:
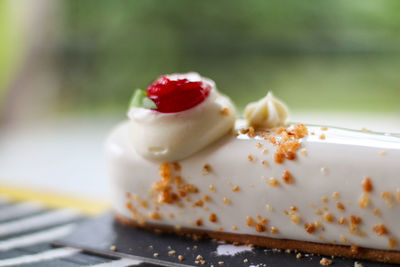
90,55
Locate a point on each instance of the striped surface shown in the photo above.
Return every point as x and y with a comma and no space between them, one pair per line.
28,228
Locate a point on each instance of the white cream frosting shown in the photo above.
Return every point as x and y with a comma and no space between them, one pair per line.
268,112
339,162
174,136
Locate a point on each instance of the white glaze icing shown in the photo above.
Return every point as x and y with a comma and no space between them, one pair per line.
338,163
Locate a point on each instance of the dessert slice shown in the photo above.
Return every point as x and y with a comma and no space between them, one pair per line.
183,163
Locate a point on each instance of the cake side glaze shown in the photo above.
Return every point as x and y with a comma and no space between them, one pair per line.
235,173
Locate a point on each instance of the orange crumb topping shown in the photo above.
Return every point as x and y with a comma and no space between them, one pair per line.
259,145
310,228
236,188
199,222
273,182
249,221
155,216
367,185
213,218
198,203
377,212
260,228
295,218
250,158
392,242
234,228
340,206
355,220
226,200
363,202
325,262
165,187
211,187
322,136
274,230
328,217
225,111
286,141
342,221
380,229
335,195
287,177
206,169
206,198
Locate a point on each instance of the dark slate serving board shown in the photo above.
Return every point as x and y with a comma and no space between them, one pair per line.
98,235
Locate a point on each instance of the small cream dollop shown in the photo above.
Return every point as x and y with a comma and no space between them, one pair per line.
268,112
175,136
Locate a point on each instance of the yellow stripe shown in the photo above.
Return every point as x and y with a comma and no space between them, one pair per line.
53,200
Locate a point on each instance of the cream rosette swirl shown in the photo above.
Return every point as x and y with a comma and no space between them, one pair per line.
175,136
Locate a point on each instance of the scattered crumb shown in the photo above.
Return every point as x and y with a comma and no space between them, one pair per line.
382,153
367,185
226,200
113,248
377,212
234,228
211,187
274,230
287,177
155,255
328,217
303,152
268,207
298,255
365,130
265,151
245,260
220,262
213,217
199,257
325,262
392,242
206,169
324,128
364,200
249,221
380,229
250,158
324,199
259,145
324,170
322,136
357,264
335,195
265,163
225,111
273,182
181,258
340,206
171,252
236,188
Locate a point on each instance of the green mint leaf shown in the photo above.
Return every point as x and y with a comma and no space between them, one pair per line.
140,100
148,103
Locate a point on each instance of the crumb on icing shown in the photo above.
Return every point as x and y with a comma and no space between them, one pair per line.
225,111
287,177
364,201
340,206
380,229
213,218
273,182
367,185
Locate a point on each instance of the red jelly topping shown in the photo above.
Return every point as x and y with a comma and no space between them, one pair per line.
177,95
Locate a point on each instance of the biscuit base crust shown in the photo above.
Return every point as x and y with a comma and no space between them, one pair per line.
353,251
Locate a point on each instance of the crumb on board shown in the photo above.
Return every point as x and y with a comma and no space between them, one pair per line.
325,262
